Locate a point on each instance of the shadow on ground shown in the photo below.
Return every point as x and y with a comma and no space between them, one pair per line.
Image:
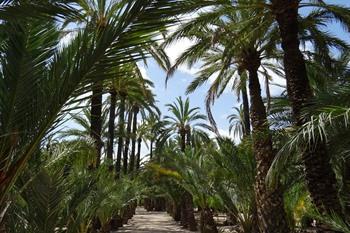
151,222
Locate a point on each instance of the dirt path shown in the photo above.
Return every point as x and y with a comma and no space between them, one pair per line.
151,222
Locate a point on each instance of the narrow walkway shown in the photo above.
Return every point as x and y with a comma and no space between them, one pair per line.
151,222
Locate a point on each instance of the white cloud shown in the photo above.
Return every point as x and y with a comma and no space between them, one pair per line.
225,133
176,49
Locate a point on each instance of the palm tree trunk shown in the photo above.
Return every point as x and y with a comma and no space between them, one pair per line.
120,134
190,219
187,214
183,140
133,141
270,207
151,150
246,111
188,137
111,126
320,177
138,159
207,223
176,211
183,220
96,120
127,143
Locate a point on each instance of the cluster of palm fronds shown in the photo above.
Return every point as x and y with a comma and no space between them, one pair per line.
299,139
57,59
60,194
78,62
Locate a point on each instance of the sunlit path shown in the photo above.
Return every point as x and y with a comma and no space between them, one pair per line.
152,222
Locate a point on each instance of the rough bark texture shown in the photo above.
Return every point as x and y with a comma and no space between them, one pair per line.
190,219
207,223
120,135
320,177
151,150
270,207
138,157
96,120
188,136
246,111
133,139
111,127
127,143
183,221
183,139
176,212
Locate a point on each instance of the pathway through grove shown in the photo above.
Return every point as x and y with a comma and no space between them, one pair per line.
151,222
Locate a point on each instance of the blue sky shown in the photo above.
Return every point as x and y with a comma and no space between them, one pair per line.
179,82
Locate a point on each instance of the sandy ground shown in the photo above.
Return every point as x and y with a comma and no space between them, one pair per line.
151,222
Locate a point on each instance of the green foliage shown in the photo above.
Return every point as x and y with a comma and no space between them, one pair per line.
64,196
51,53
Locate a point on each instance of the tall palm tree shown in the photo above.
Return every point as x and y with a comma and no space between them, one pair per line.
129,88
31,59
291,25
228,57
133,159
143,130
96,119
121,86
113,85
98,13
60,82
111,124
316,159
127,140
184,123
145,106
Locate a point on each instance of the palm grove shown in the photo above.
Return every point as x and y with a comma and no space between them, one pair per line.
78,62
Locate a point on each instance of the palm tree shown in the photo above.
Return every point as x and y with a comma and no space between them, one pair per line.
127,141
152,127
236,121
98,13
96,119
242,55
135,112
183,123
142,135
286,14
113,86
231,162
111,125
327,122
56,76
128,88
193,169
316,158
147,104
